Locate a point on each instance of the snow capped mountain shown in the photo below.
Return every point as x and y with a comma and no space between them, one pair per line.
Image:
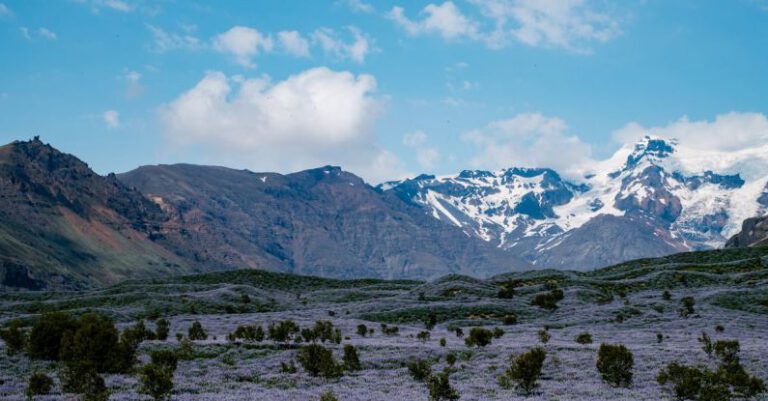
655,195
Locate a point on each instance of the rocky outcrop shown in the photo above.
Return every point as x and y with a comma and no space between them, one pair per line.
754,232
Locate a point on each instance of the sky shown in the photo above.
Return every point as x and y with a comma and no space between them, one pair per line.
384,89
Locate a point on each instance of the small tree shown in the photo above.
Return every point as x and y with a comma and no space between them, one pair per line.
39,384
525,369
615,362
686,306
165,358
350,359
162,328
318,361
706,343
14,336
544,336
156,381
362,330
431,321
439,386
196,332
479,337
450,359
45,336
459,332
420,369
283,331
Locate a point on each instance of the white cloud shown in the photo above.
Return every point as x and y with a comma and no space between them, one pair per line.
133,84
111,118
414,139
359,6
293,43
5,11
332,45
39,33
243,43
163,41
115,5
529,140
569,24
427,157
445,19
310,119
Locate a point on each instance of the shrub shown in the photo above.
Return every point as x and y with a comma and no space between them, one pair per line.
390,330
156,381
431,321
162,328
443,342
39,384
138,333
659,338
690,383
549,299
362,330
196,332
544,336
420,369
165,358
328,395
706,343
686,306
186,351
318,361
727,351
584,338
479,337
45,336
94,342
439,386
525,369
423,336
81,377
498,332
719,328
282,331
450,358
289,367
615,362
666,295
247,333
15,338
506,292
510,320
351,360
459,332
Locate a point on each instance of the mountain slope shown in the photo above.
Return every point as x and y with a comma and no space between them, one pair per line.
63,225
652,198
754,232
324,222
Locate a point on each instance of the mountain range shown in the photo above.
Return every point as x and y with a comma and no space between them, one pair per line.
64,226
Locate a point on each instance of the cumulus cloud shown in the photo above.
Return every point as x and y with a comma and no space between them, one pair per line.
316,117
293,43
359,6
243,43
529,140
569,24
331,43
111,118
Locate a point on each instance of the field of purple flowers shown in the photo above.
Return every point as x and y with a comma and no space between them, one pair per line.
620,306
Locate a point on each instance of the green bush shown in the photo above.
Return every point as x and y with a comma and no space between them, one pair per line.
39,384
165,358
328,395
81,377
510,320
544,336
351,360
686,306
156,381
699,383
498,332
706,343
14,336
389,330
196,332
248,333
162,328
450,359
362,330
45,336
420,369
289,367
584,338
138,333
615,362
478,337
318,361
443,342
525,369
549,299
423,336
283,331
439,386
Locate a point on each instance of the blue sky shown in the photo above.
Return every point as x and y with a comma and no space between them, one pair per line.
385,89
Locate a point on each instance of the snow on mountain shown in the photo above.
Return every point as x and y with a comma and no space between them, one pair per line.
681,197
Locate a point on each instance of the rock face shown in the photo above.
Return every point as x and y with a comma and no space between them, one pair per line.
63,225
324,222
640,203
754,232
